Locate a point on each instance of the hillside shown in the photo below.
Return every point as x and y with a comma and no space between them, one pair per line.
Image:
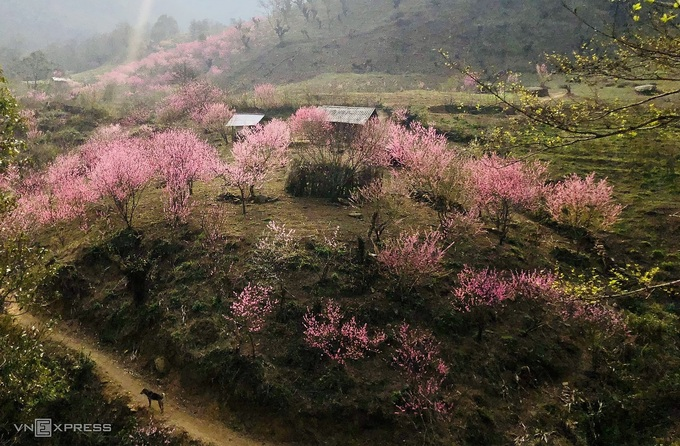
481,265
374,36
367,36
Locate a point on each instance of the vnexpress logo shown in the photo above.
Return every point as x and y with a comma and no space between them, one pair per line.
42,427
45,428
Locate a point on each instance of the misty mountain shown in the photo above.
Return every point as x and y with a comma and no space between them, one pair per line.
27,25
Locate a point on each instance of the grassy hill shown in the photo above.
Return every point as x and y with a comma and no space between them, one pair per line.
376,36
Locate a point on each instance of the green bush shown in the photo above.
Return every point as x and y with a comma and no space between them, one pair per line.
326,180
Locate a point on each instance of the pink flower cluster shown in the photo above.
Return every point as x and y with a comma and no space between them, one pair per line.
260,150
31,122
489,288
484,287
593,312
411,258
312,124
252,306
498,181
122,171
180,159
192,99
114,166
212,56
501,185
422,152
535,285
266,96
338,338
583,203
418,357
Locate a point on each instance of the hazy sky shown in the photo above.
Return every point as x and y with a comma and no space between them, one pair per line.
36,23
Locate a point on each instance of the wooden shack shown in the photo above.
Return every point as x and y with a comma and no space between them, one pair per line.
347,121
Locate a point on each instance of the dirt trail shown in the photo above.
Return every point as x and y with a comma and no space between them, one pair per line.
121,380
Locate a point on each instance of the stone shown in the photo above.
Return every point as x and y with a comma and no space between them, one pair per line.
161,365
646,89
541,92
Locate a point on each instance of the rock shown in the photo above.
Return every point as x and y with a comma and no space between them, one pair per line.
541,92
356,215
161,365
646,89
262,199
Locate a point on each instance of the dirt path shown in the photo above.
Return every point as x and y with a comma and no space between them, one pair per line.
121,380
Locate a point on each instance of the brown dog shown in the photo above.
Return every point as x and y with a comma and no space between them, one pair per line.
151,395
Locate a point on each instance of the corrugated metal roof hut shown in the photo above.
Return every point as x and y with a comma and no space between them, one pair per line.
244,120
241,120
348,121
349,115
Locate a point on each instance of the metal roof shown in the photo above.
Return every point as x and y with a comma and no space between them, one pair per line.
349,115
244,120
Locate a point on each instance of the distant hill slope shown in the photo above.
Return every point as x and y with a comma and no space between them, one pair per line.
373,35
311,37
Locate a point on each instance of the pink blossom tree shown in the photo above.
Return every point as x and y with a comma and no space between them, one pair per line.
122,171
500,186
481,291
369,146
311,124
595,313
214,118
266,96
417,356
259,152
181,158
424,158
31,121
583,203
191,99
250,310
338,338
535,285
59,193
410,258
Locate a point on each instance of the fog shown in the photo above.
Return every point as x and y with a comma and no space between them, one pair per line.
26,25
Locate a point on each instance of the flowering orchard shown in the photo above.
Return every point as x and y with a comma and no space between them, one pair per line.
501,186
116,168
443,296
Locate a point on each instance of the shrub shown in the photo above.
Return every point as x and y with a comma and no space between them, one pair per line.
334,160
338,338
411,259
583,203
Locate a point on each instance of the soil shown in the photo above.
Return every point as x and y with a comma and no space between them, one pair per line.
179,413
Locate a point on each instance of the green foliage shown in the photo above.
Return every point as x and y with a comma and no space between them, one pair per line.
30,379
22,269
11,126
326,180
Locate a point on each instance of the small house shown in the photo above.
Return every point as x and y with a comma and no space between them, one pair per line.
350,115
242,120
347,121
